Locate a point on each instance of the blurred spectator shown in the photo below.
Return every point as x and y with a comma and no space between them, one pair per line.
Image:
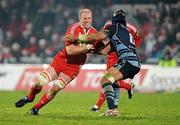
167,59
150,43
44,17
16,52
35,28
33,47
42,43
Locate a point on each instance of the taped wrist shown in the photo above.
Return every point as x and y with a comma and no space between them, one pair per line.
89,46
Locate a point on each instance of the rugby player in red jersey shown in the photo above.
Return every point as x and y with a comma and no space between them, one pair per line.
65,65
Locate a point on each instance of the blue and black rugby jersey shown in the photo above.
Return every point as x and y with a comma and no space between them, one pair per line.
123,43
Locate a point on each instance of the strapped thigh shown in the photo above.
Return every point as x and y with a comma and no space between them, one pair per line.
47,75
109,77
44,78
60,82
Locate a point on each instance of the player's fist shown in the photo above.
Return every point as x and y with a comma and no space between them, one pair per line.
82,37
90,47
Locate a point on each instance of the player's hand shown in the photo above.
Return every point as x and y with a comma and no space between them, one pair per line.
90,47
82,37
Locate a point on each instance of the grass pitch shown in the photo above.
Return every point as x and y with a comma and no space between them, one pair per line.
73,109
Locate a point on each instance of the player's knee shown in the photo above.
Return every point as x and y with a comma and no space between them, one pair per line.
107,78
52,92
57,86
38,86
104,80
59,83
43,78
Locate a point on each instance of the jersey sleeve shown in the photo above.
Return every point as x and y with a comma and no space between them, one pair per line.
110,31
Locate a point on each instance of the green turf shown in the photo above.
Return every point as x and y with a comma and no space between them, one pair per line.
72,109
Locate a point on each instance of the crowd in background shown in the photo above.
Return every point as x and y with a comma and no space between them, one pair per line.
32,31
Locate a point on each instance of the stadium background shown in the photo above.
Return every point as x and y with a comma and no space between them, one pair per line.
31,33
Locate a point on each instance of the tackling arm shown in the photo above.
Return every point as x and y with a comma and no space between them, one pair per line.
73,49
92,37
102,47
70,38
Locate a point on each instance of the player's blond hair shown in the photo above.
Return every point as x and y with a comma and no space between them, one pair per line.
84,11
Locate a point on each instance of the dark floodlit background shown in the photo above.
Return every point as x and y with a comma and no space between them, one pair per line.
31,31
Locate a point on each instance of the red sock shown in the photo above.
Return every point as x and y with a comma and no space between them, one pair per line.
101,100
33,92
43,101
125,85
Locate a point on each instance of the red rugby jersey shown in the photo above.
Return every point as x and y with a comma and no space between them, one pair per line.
76,29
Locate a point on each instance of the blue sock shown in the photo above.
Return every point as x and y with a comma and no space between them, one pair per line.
116,96
109,94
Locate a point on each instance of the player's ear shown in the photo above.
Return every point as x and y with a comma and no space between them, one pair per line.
79,19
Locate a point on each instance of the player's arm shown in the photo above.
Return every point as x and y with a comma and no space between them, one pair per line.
99,36
73,49
102,47
71,38
105,50
71,45
102,36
